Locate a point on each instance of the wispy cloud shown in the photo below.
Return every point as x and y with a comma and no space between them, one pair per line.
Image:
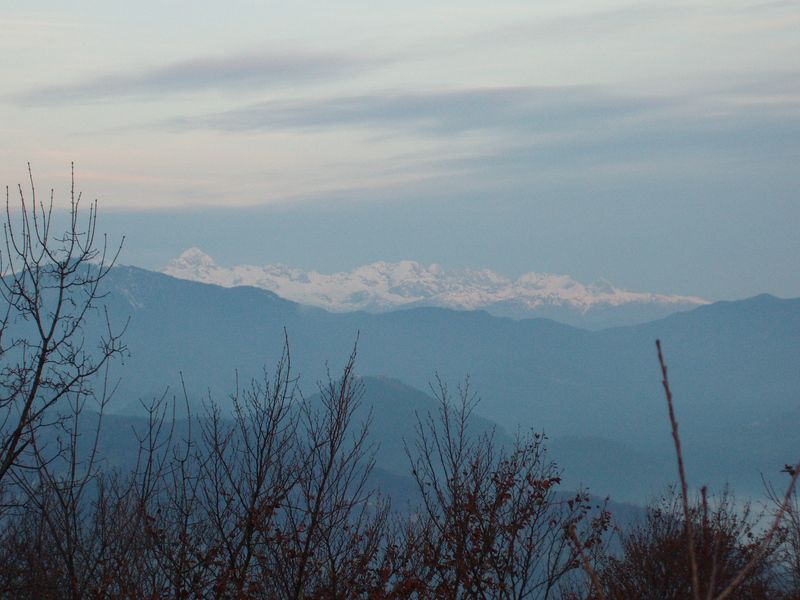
438,112
633,17
602,22
770,4
234,72
588,118
779,84
558,131
748,135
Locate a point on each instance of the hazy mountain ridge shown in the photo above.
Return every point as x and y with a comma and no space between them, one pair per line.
732,364
385,286
392,410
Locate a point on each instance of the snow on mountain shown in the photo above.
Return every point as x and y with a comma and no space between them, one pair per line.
383,286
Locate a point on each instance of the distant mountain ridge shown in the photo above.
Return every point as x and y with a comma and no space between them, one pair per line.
384,286
734,368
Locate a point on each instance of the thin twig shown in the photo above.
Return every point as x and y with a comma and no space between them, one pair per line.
573,534
682,474
763,547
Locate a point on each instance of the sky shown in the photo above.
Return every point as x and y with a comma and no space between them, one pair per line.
654,144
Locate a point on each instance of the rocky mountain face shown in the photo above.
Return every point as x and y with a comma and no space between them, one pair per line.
384,286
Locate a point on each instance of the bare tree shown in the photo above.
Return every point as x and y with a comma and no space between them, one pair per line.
333,523
491,524
767,541
687,550
788,553
50,286
270,500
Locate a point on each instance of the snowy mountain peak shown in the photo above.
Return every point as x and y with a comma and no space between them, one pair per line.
194,259
382,286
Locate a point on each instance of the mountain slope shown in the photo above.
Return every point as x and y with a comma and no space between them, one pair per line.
393,410
731,364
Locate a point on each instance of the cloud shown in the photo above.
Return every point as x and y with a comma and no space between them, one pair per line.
603,22
777,84
632,18
536,133
771,4
235,72
761,113
438,112
745,141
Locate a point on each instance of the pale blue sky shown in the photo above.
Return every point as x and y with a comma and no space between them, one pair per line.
655,144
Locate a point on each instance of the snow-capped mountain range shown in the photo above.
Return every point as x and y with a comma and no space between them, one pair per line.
385,286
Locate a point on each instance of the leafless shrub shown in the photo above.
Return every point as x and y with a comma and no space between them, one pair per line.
653,561
491,524
689,550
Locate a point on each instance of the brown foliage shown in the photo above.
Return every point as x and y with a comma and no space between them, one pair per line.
653,562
